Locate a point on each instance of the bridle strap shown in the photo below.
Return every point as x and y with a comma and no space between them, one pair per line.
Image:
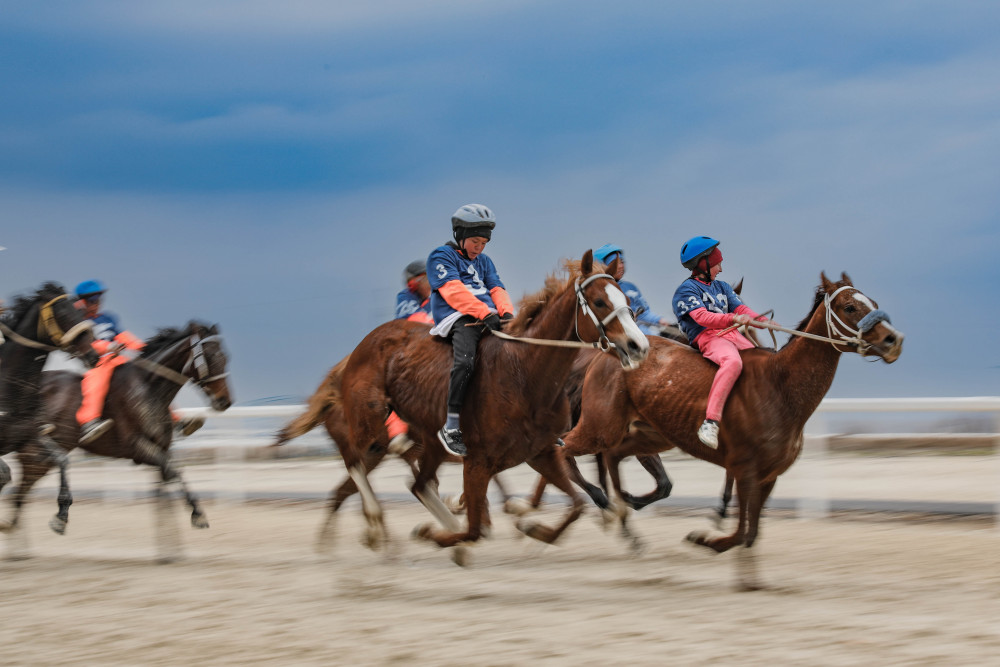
200,365
603,343
47,325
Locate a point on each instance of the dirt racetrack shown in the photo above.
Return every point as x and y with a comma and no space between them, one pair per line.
253,590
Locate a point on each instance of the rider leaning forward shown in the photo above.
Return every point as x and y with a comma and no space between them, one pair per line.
704,307
109,341
466,290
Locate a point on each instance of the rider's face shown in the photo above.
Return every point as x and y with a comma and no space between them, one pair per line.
474,246
715,270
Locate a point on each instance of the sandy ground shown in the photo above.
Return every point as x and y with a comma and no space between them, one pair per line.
252,589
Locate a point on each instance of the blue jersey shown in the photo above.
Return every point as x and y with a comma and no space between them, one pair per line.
716,297
106,326
408,303
646,319
479,276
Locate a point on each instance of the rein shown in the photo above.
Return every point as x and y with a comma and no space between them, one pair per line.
196,360
603,343
846,335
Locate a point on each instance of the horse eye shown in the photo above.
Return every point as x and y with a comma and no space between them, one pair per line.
850,309
600,303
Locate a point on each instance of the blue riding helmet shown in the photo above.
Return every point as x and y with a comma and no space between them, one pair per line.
695,249
90,288
601,254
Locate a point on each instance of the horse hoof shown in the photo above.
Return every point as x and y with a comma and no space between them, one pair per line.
460,556
6,526
199,521
517,506
422,532
57,525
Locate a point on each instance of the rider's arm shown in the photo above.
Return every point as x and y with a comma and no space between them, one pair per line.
130,341
457,295
502,301
743,309
711,320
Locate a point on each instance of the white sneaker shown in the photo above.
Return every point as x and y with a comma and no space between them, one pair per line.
708,433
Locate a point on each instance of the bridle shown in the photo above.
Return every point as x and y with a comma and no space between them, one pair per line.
603,343
196,361
49,327
840,333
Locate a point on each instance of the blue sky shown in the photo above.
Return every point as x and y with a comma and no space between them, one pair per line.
272,167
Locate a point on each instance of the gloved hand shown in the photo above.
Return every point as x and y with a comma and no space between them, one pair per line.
492,322
506,317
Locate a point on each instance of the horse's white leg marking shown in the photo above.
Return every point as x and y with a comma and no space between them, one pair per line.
370,506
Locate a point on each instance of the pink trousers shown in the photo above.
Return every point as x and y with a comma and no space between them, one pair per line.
725,351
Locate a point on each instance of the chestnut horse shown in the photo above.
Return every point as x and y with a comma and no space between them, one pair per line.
325,407
761,433
515,406
138,400
35,326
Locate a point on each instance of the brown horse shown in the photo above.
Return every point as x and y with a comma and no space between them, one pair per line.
761,433
515,406
326,407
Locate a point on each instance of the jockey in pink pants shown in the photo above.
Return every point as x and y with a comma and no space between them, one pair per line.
704,307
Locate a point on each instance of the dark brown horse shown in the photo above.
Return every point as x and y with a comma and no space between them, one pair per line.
761,433
138,401
33,327
515,406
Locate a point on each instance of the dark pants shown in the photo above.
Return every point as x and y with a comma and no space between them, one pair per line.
464,341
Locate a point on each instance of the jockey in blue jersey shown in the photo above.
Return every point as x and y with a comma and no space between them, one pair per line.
414,302
466,291
649,322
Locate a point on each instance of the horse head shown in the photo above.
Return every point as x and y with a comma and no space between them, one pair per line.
856,319
207,363
50,321
604,315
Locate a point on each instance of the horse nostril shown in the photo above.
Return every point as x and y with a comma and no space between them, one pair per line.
890,339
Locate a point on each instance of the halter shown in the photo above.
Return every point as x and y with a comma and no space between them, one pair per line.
603,343
847,335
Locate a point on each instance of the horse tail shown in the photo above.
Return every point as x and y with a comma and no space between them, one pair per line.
325,397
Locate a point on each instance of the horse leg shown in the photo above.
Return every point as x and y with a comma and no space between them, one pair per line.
746,562
550,464
34,465
376,535
5,478
55,454
595,492
748,491
150,454
654,466
327,533
476,480
727,495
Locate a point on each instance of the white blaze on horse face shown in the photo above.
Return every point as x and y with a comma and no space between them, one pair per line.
858,296
620,303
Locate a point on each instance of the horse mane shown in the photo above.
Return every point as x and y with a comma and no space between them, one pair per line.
23,303
167,336
817,300
529,306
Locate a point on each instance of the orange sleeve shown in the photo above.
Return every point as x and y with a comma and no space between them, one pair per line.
130,341
101,346
458,297
421,316
502,300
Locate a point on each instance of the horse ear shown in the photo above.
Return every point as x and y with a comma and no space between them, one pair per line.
846,278
738,288
827,285
214,330
587,263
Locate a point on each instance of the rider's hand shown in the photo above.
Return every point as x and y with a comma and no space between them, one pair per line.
506,317
492,322
740,320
